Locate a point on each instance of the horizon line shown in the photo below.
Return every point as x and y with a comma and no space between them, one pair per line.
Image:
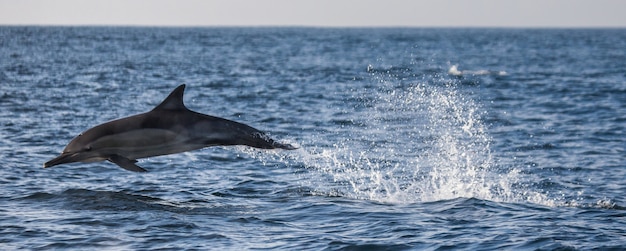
321,26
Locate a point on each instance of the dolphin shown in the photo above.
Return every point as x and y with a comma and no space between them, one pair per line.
167,129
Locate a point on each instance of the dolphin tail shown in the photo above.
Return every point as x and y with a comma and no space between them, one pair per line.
261,140
253,138
284,146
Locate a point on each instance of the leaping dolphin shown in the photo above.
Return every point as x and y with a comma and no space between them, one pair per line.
168,128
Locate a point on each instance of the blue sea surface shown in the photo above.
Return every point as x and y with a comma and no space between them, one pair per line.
409,139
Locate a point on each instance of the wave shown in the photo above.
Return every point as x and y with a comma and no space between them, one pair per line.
86,199
454,71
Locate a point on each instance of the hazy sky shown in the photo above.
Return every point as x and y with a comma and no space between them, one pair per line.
426,13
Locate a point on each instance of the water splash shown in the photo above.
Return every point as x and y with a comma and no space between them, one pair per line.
406,143
419,143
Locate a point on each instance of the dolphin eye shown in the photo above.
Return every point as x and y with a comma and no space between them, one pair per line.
87,149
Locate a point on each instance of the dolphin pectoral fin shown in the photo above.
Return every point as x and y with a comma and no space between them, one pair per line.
126,163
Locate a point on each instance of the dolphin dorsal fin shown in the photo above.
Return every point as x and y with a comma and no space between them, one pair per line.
174,101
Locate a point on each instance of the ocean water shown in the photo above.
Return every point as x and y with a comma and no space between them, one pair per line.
409,139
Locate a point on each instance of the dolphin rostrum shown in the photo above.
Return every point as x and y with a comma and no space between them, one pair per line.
169,128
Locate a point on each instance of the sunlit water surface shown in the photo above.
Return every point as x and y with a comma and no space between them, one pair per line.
409,139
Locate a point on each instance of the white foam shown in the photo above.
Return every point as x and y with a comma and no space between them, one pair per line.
454,71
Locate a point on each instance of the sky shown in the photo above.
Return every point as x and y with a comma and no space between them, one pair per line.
319,13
